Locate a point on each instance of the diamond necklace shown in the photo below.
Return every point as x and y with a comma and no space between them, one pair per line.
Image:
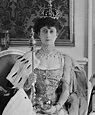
47,51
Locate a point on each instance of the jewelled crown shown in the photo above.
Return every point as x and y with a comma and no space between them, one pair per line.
49,11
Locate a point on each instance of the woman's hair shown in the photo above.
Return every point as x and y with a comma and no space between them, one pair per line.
49,22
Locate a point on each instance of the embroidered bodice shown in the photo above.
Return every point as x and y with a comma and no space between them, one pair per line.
46,84
47,80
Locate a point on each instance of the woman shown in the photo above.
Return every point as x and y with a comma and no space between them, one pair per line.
91,106
48,87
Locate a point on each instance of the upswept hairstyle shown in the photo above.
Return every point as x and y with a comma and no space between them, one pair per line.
49,22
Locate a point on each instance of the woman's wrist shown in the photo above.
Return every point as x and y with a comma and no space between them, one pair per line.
58,106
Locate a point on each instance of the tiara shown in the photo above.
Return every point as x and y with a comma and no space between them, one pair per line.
49,11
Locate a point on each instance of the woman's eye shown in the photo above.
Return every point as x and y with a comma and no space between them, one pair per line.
51,31
45,31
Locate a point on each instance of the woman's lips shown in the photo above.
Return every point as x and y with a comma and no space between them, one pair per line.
47,39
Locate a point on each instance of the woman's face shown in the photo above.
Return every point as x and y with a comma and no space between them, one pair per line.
48,35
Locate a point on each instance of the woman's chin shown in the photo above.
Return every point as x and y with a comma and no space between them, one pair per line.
48,43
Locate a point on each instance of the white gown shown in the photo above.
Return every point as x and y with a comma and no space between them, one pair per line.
19,104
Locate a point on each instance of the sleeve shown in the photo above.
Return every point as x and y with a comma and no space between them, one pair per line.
79,79
75,76
66,69
81,82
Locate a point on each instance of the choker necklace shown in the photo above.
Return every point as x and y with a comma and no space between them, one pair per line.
47,51
47,48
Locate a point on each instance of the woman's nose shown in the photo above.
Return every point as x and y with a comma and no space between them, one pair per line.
48,34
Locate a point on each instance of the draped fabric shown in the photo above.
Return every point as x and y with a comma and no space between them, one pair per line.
78,81
22,69
78,89
19,105
90,103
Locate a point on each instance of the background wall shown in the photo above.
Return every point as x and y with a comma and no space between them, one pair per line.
93,38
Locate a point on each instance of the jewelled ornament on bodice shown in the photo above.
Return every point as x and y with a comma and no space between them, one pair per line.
47,81
46,84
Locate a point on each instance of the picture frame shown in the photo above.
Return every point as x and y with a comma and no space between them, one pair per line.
24,14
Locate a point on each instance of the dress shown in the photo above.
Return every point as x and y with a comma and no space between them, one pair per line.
46,88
